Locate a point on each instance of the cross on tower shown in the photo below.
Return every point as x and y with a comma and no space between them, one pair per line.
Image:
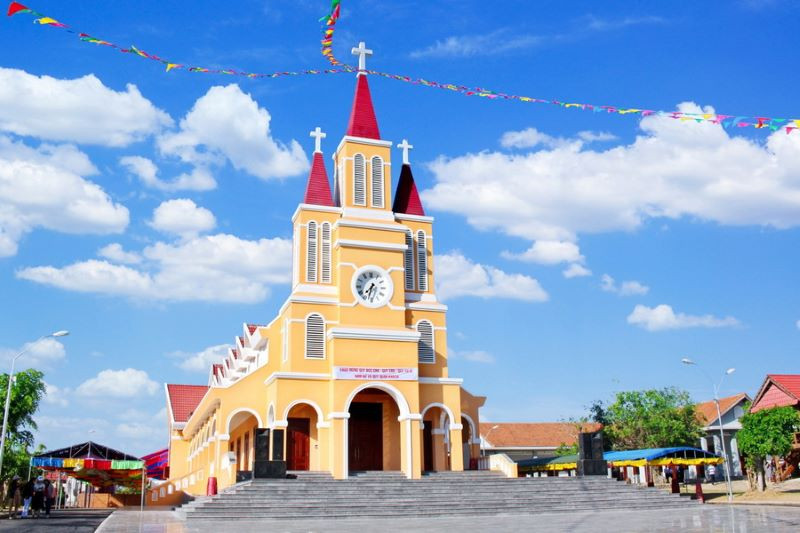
405,147
318,136
362,52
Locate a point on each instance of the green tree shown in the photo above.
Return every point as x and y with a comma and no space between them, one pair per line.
654,418
566,449
766,432
27,392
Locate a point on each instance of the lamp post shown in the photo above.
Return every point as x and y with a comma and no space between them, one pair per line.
485,437
687,361
60,333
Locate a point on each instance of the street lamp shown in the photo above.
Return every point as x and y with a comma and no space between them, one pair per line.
60,333
687,361
485,437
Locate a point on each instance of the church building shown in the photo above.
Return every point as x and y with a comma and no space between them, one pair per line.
352,373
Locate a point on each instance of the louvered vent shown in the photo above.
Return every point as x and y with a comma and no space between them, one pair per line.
315,337
377,182
422,261
425,347
326,252
408,261
311,260
359,181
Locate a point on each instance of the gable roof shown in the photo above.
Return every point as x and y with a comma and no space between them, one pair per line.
362,116
406,199
318,189
778,390
533,434
184,399
706,412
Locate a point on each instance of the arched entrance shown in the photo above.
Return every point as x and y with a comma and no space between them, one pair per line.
374,432
466,444
241,429
436,448
302,436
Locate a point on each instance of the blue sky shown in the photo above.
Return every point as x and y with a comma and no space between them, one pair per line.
579,253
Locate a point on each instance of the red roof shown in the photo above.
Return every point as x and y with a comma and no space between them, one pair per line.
778,390
706,412
533,434
184,399
362,117
406,199
318,190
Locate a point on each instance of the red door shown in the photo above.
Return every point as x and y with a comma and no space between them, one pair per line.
297,434
427,446
365,433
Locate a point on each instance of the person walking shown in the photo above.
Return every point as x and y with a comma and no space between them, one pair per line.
27,496
13,497
712,474
37,504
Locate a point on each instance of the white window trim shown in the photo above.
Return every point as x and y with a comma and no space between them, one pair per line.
311,273
364,175
433,342
324,336
372,182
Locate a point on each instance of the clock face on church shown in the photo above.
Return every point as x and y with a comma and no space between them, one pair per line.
372,286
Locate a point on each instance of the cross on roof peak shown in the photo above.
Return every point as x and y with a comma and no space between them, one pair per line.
318,136
362,52
405,147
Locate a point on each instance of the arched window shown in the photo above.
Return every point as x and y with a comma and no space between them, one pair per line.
377,182
422,261
311,252
359,181
326,252
425,350
315,337
408,261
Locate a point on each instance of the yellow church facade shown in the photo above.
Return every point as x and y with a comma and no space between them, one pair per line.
352,373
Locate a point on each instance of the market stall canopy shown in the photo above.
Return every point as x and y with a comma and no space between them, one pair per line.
94,463
157,464
682,455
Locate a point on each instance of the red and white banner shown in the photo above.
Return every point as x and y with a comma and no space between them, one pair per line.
371,373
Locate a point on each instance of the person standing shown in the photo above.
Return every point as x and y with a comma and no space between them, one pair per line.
49,497
712,474
13,497
27,496
37,504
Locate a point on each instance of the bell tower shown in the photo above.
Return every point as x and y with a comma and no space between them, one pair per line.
362,183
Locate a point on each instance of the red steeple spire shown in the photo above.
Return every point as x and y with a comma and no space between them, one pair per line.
362,117
406,199
318,190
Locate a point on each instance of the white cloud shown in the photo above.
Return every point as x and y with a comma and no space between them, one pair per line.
201,361
219,268
458,276
673,169
475,356
549,253
226,123
626,288
529,138
662,317
56,395
598,24
182,217
44,353
127,383
493,43
199,179
40,188
116,253
80,110
596,136
576,271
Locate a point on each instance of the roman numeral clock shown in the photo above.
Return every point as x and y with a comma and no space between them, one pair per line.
372,286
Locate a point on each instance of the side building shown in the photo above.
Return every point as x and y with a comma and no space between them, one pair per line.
354,368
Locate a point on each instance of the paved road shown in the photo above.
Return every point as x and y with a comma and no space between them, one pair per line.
708,518
78,521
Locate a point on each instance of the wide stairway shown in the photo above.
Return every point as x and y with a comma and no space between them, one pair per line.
390,494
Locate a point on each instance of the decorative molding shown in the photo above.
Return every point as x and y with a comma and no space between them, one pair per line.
338,415
417,306
440,381
456,427
410,416
374,334
413,218
369,213
312,207
370,245
345,223
295,375
323,425
363,140
437,431
223,436
320,289
280,424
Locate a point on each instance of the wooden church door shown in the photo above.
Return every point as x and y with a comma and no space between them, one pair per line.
365,433
297,444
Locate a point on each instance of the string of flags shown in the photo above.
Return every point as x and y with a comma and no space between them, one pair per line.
329,25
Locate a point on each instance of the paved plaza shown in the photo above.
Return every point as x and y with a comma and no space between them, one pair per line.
74,521
706,519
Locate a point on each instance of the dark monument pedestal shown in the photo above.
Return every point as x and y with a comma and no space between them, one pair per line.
590,455
269,469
